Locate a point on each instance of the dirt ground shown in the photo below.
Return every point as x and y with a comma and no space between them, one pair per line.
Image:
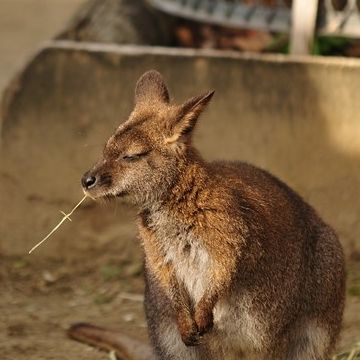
41,298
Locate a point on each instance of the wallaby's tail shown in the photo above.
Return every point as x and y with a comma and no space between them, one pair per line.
125,347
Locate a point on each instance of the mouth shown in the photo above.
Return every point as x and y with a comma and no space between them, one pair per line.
87,193
121,194
108,195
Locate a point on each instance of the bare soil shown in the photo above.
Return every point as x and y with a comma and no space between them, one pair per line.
40,299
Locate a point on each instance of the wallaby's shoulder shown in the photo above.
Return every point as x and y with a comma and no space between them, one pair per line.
250,180
248,175
257,192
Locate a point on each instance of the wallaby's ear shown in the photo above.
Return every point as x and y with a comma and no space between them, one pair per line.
151,87
188,115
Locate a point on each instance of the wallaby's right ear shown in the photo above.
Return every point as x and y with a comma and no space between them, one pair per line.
151,87
187,117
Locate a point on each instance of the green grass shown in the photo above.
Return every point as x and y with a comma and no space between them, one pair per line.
20,264
330,45
354,290
323,45
110,272
101,299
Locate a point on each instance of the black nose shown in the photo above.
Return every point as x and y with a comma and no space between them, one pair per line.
88,181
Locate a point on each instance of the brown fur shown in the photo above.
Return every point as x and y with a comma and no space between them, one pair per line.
237,264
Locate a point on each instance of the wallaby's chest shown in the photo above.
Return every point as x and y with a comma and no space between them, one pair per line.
183,250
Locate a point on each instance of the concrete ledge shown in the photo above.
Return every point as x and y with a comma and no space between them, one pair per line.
297,117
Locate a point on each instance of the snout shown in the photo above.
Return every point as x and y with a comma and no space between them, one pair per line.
88,181
97,182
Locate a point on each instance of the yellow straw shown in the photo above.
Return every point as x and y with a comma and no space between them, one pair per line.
66,217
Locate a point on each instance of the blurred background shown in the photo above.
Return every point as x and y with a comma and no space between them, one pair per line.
287,79
24,26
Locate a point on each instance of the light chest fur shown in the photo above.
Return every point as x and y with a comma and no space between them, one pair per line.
235,322
183,250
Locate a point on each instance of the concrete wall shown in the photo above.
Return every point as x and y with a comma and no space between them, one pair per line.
297,117
26,23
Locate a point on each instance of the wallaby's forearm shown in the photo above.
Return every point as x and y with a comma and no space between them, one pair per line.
164,273
221,272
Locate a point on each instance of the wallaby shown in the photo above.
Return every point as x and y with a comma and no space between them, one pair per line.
237,265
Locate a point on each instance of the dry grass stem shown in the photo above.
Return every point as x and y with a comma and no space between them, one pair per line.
65,217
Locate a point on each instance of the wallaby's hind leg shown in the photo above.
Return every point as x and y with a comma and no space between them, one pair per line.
311,343
125,347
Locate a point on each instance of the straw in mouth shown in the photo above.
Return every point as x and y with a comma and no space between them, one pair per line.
65,217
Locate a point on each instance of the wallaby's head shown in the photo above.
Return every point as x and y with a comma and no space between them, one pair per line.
146,154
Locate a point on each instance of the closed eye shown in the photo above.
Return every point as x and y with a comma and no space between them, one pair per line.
134,157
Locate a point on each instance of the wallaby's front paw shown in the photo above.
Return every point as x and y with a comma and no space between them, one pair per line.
204,320
188,330
192,338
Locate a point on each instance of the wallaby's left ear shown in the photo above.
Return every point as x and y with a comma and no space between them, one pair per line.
151,87
189,113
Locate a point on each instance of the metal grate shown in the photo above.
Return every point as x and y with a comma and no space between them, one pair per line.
335,17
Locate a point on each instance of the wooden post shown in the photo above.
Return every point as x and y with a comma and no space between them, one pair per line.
303,19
